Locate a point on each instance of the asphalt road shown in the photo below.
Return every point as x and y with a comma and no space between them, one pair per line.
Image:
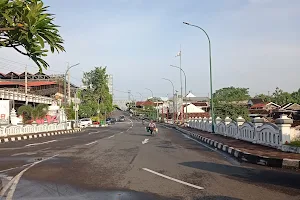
123,162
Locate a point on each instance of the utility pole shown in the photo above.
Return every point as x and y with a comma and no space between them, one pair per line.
180,73
176,106
129,96
26,99
69,88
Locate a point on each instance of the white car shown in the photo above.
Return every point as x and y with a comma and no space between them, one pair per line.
85,122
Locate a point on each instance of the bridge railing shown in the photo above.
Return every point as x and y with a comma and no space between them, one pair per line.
28,129
19,96
257,131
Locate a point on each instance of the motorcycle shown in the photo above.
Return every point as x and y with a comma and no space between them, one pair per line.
152,130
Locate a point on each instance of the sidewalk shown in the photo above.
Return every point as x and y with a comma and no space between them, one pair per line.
246,151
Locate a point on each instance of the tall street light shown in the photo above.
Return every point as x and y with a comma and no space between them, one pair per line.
65,88
140,95
173,97
184,89
156,103
210,72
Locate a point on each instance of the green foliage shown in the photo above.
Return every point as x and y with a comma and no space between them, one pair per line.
280,97
25,111
26,26
231,94
28,112
295,143
96,97
264,97
70,112
226,102
231,110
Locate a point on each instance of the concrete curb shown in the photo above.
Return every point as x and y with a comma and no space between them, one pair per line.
37,135
244,156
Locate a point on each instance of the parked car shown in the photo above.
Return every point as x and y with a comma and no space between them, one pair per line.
111,120
85,122
122,118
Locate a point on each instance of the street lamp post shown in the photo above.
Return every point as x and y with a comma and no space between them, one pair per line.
184,87
173,97
140,95
65,88
210,72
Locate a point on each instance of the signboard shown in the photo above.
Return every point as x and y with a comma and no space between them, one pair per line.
5,106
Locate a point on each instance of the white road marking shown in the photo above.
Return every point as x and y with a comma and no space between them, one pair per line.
232,161
111,136
5,170
98,132
24,153
91,143
173,179
213,149
14,182
34,144
145,141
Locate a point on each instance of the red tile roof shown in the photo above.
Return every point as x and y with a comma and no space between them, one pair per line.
200,104
145,103
259,105
29,84
9,83
40,83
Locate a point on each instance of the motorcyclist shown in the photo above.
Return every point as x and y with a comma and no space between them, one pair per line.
151,126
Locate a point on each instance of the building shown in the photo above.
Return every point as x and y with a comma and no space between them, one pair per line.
38,83
196,106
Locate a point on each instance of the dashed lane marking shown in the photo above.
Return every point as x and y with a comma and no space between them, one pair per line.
111,136
35,144
91,143
173,179
145,141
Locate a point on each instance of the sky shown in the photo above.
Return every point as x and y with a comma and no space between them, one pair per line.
255,44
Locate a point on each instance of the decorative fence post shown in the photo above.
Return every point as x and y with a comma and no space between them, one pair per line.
240,121
218,121
227,121
284,124
257,121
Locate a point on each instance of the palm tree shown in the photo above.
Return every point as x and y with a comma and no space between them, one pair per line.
28,112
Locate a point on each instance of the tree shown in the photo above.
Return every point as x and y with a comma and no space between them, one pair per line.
97,95
231,110
226,102
25,111
26,26
264,97
280,97
231,94
296,96
30,113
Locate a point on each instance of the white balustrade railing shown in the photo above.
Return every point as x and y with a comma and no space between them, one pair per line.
27,129
268,134
20,96
258,131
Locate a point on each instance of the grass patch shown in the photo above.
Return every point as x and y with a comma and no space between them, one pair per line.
295,143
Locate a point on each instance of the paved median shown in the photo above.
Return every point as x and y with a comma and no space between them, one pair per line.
245,151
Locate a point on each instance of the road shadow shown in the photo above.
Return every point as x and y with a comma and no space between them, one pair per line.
215,198
286,179
140,134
